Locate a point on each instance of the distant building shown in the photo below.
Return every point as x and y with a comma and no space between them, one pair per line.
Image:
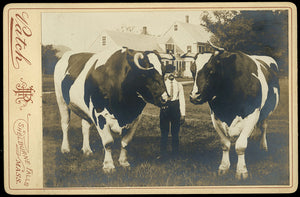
110,38
183,38
179,39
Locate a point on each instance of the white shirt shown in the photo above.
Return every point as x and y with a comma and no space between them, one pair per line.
178,94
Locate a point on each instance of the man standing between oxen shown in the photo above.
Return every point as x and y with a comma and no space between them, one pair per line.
172,114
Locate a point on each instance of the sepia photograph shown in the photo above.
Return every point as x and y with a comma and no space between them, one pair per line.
111,117
160,98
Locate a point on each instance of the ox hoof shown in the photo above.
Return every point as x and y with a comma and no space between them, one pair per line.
87,152
222,172
223,169
65,150
109,170
241,175
108,167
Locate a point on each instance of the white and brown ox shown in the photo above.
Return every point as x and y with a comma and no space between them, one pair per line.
242,91
110,90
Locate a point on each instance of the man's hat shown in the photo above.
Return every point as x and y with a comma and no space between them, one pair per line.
170,68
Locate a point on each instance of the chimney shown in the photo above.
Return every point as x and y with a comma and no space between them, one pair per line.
144,30
187,19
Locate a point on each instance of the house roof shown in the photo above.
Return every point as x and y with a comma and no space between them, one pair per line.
170,41
135,41
198,32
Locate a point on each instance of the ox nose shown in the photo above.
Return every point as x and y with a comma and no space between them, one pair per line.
194,97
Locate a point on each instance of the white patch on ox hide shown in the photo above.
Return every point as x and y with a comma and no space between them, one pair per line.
60,70
268,60
153,59
195,87
77,89
263,82
238,124
110,119
201,60
112,122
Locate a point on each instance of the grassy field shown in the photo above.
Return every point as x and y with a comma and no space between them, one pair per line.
196,164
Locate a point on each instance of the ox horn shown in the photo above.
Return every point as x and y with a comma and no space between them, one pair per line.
136,58
215,47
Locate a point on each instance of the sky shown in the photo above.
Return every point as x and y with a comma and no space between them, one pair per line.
79,30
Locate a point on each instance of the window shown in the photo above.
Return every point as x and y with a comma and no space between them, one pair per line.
201,49
204,48
103,40
170,48
189,49
175,27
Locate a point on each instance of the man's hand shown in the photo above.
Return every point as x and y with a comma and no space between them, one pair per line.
182,119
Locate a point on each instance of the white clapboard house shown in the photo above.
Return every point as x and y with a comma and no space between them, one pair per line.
179,39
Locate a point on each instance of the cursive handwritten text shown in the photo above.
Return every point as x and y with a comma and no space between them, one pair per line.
19,32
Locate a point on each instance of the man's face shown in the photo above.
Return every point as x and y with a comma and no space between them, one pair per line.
169,76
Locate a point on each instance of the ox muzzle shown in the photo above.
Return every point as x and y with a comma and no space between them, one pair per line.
196,98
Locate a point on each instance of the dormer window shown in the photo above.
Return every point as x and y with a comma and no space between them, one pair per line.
170,48
175,27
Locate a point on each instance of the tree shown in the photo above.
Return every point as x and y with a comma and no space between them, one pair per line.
49,59
129,29
253,32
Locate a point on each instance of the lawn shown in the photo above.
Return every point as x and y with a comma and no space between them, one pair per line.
196,164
